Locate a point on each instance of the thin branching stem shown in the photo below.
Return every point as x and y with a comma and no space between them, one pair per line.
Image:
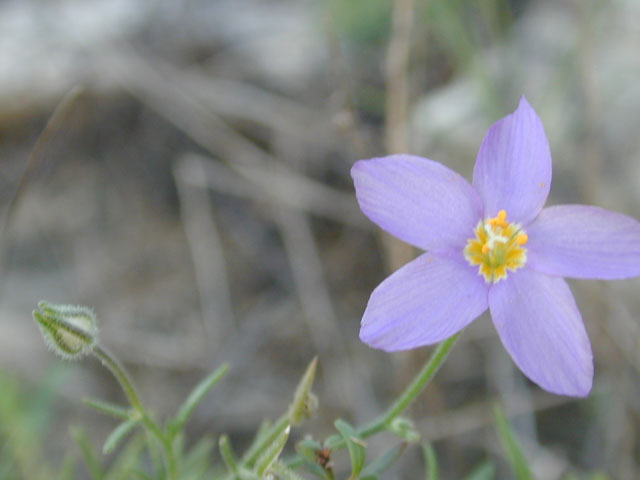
127,386
410,393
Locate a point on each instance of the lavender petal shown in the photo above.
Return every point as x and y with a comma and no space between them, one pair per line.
418,200
540,326
584,242
425,302
513,167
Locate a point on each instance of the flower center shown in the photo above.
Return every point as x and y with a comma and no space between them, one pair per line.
498,246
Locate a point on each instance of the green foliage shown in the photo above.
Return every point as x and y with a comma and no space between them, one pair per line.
118,435
24,421
271,454
375,469
484,471
282,472
226,452
89,454
431,461
157,451
308,457
304,403
516,457
195,397
197,462
460,27
362,21
68,468
108,408
405,429
355,445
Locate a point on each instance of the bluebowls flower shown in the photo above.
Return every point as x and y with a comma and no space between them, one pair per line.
492,245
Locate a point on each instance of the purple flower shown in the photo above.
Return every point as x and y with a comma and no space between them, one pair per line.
491,244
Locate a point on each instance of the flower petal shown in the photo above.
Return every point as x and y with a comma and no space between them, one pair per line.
513,168
584,242
426,301
418,200
541,328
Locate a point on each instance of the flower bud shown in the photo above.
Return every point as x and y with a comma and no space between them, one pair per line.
404,428
70,331
304,402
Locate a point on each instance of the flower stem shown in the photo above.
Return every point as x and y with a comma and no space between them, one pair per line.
127,386
420,381
410,393
118,371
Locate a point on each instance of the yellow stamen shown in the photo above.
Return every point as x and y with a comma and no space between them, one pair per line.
500,220
522,239
497,247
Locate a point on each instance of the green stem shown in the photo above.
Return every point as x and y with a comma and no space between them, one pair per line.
410,393
123,379
127,386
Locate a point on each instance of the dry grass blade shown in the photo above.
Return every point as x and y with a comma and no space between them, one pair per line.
206,249
36,158
162,89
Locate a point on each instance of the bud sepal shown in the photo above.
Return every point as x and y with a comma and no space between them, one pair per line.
70,331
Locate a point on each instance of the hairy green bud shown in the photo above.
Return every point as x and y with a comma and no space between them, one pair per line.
304,402
70,331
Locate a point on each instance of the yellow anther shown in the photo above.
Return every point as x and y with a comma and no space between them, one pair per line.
497,247
500,220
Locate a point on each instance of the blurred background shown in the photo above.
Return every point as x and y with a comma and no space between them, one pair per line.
194,190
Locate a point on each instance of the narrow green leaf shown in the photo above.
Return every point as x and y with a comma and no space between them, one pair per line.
108,408
485,471
226,452
516,457
118,434
128,459
94,467
431,461
155,454
308,448
177,445
68,469
196,396
283,472
355,445
301,406
332,441
317,470
200,454
383,462
266,439
271,454
263,429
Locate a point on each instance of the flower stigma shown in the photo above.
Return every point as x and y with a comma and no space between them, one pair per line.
498,246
